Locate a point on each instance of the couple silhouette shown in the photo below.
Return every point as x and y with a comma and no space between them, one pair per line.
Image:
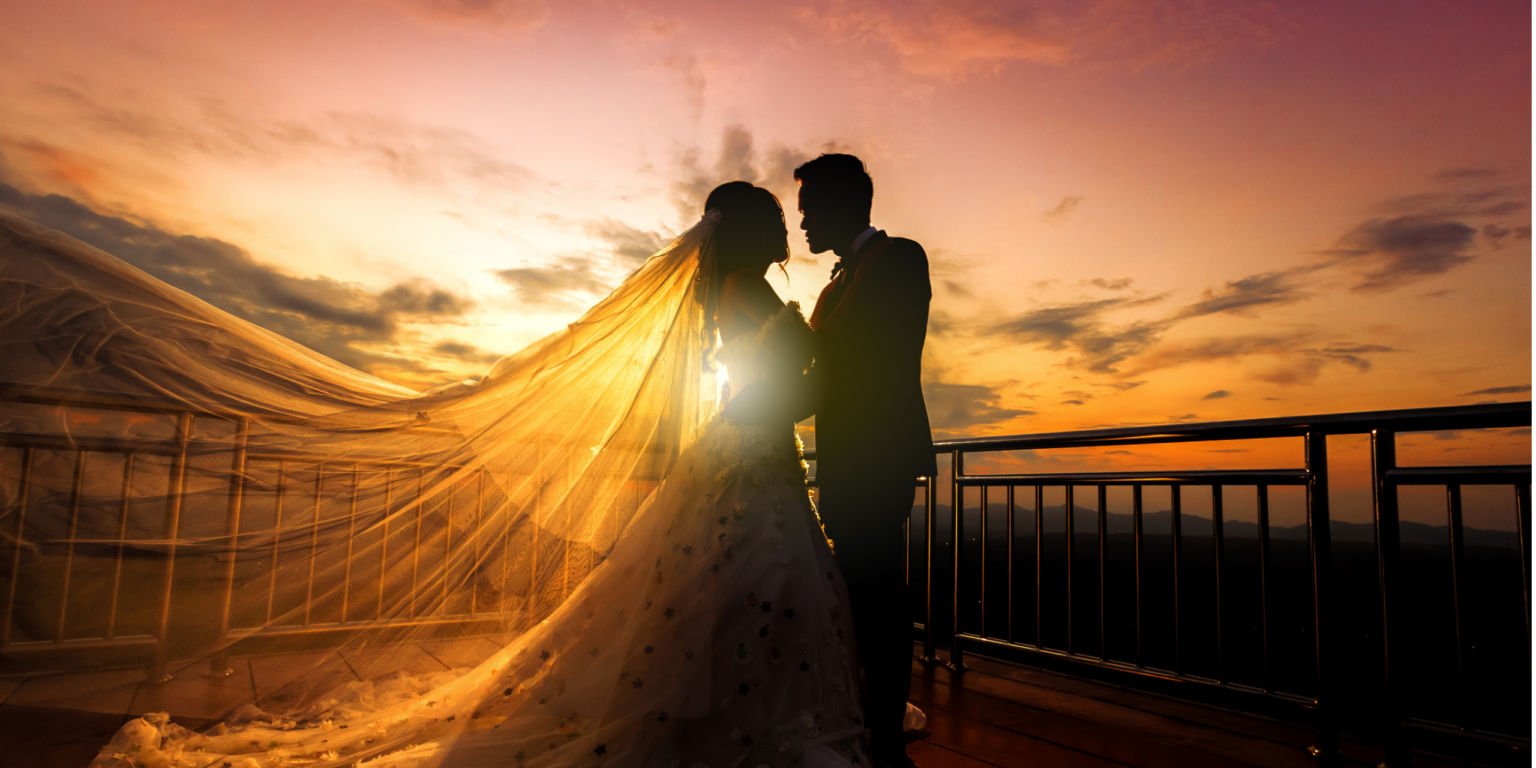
864,389
717,625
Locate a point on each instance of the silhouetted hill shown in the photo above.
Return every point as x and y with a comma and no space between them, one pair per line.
1198,526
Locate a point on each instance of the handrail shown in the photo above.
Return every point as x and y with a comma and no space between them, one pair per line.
1454,417
938,629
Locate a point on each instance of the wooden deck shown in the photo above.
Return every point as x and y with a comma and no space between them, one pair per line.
1006,715
995,714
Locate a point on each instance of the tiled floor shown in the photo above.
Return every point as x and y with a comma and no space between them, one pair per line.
996,714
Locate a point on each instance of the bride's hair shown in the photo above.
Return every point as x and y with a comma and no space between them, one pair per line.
751,230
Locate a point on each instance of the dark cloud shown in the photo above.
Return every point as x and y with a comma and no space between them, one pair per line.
1080,326
1212,349
738,159
1117,284
422,299
1137,347
1067,205
1352,355
1464,174
1303,366
1495,234
1512,390
1240,297
956,289
1388,253
1295,361
631,244
415,155
959,406
1422,235
1071,402
1217,395
466,352
554,285
940,323
323,314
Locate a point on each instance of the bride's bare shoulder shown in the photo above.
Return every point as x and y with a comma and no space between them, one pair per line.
749,293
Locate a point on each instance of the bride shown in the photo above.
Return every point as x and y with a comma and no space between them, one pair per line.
712,628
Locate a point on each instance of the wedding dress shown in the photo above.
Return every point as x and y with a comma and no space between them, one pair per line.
672,600
715,634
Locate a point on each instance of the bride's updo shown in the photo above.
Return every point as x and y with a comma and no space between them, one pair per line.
751,232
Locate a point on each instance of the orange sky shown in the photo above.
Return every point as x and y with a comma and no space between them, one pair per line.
1136,212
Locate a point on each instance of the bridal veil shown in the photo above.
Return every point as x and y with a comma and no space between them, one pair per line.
179,485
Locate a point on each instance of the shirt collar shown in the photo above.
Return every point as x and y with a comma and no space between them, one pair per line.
858,242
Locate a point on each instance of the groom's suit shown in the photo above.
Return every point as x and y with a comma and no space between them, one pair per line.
872,443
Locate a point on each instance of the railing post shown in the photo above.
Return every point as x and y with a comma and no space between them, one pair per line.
220,663
1136,534
1103,521
122,535
1458,590
1176,502
1523,520
22,492
346,576
1218,514
176,489
957,504
1010,562
982,539
76,490
1071,536
1263,501
1039,566
1326,748
1389,570
930,503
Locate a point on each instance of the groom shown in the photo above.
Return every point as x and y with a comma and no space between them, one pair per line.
872,434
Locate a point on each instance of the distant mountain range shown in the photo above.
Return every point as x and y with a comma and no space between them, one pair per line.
1196,526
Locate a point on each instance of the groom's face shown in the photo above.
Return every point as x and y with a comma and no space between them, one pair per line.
817,234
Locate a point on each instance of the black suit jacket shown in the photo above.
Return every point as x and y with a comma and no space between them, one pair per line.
866,383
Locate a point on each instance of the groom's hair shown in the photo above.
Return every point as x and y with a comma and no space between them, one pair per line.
839,183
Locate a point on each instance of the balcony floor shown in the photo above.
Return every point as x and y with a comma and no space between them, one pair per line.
995,714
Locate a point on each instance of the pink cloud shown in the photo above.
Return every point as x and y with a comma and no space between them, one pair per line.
967,37
514,15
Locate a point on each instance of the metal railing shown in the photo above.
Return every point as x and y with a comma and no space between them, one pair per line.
945,575
155,646
944,626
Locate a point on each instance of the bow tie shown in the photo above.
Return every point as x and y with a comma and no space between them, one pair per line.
836,268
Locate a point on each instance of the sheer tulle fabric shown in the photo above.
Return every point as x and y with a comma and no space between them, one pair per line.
245,459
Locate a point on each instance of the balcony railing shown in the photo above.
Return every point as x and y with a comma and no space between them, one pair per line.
130,602
981,590
960,595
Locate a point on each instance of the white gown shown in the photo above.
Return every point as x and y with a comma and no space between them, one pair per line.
715,634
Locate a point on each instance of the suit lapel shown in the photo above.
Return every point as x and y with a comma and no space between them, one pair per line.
827,302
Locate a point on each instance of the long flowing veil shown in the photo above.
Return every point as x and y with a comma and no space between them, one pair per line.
181,487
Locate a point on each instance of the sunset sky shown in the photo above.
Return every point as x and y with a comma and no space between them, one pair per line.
1135,212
